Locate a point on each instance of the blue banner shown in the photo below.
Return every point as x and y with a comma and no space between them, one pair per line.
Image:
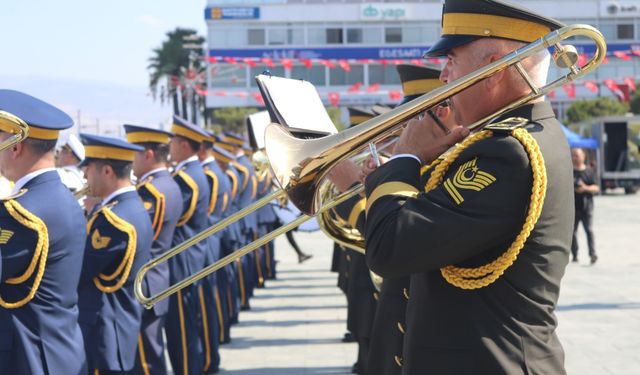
400,52
228,13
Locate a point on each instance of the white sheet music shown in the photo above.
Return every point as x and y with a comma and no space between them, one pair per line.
298,103
259,122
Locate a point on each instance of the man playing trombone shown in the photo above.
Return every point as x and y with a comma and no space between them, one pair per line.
485,270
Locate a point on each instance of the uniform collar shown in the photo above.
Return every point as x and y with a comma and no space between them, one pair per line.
151,172
534,112
22,181
185,161
120,191
208,160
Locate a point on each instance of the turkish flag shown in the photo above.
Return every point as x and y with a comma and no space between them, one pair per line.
395,95
616,89
605,61
570,89
551,94
334,98
268,62
622,55
212,59
220,93
418,62
355,87
344,64
591,85
287,63
629,81
307,63
636,52
230,60
373,87
383,61
582,59
249,61
328,64
258,98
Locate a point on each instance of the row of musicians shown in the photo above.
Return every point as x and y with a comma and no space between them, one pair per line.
67,303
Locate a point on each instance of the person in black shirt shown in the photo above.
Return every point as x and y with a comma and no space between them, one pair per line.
585,186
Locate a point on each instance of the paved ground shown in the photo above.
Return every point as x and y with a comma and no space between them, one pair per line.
295,323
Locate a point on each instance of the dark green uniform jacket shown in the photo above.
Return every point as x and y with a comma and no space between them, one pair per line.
509,326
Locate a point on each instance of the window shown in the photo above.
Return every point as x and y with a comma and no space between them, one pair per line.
316,36
256,37
334,36
295,36
236,37
393,35
383,74
315,75
372,35
625,31
354,35
277,37
338,77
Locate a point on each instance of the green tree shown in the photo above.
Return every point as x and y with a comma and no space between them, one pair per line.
169,65
634,103
582,110
232,118
334,115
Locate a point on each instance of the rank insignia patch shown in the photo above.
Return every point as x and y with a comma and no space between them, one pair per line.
147,205
99,242
467,177
5,236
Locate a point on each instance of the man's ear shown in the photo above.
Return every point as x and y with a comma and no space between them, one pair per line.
496,78
149,154
17,150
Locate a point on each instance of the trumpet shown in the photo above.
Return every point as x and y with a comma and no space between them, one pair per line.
300,166
82,192
21,129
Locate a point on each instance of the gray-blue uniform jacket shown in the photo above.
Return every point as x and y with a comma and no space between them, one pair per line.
118,234
163,201
249,190
195,200
43,336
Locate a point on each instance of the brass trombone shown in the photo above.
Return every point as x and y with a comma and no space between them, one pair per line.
21,127
300,166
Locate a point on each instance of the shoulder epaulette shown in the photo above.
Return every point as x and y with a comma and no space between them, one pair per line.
214,189
14,196
194,197
158,215
40,252
245,172
508,125
124,268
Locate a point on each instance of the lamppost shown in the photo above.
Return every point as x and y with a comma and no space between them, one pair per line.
192,75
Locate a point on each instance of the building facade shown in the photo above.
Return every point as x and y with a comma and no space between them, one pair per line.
348,48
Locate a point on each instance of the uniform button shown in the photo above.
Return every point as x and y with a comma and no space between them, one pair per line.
398,360
348,258
405,292
400,327
376,296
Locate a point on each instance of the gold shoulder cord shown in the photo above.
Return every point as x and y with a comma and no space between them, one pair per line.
124,268
479,277
29,220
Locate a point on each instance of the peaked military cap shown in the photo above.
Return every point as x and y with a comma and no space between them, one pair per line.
76,147
221,154
235,138
142,134
417,80
107,148
188,130
464,21
224,144
45,121
359,115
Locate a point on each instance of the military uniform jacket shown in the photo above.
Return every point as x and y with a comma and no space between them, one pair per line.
248,191
265,214
507,327
194,219
109,312
360,289
163,201
43,336
220,190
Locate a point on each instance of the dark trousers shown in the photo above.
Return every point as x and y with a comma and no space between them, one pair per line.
182,329
150,358
586,217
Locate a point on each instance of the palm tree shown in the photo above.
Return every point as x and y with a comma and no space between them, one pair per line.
168,65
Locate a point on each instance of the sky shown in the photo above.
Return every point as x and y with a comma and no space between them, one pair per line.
90,57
